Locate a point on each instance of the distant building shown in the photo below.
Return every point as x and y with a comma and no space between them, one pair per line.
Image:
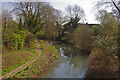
90,25
64,23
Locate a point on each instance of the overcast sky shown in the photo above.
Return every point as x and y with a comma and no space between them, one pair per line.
87,5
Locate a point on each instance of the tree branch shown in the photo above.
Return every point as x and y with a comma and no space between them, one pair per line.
115,6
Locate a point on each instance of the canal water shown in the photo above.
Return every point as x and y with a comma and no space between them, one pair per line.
71,64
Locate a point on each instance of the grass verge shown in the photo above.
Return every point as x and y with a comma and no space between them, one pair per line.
34,46
46,59
11,61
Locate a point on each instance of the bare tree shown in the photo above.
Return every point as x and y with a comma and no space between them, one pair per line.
116,6
30,13
104,5
6,17
75,11
69,9
50,17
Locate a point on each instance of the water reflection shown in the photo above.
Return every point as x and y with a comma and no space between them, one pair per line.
72,63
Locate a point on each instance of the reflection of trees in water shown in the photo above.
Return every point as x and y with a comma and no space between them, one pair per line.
68,50
75,66
78,64
78,61
71,67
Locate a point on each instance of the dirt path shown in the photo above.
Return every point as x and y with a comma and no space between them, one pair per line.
12,73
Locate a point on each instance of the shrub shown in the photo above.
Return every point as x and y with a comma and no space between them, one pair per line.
40,34
108,44
7,33
23,34
96,30
29,37
17,41
81,37
109,24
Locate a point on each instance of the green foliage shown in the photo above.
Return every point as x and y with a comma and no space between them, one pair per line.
40,34
52,48
19,51
17,41
109,34
29,37
68,28
71,25
23,34
74,22
109,24
96,30
7,33
34,24
108,44
81,37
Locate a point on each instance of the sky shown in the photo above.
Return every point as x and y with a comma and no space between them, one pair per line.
86,5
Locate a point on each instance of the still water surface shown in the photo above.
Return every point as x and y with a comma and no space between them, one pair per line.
71,64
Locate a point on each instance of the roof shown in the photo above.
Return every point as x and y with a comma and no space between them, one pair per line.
64,23
90,25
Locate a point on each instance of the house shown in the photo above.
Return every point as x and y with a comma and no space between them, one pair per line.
83,24
89,25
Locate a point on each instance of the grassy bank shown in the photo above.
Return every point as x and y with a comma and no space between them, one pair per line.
46,59
8,51
12,60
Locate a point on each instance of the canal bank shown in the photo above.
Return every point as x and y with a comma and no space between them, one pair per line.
41,65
